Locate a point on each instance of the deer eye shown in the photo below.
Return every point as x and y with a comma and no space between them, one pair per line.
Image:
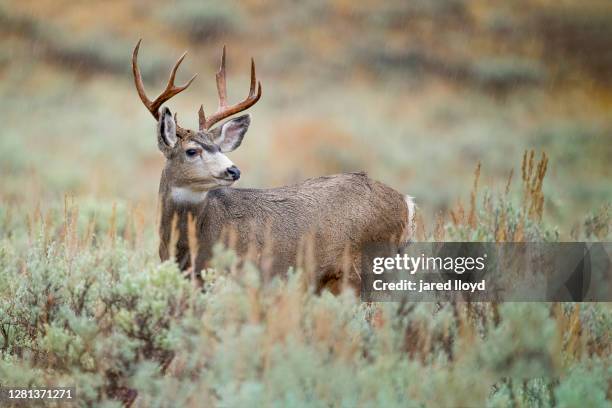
191,152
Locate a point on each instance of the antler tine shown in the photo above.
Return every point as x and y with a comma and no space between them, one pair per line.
225,111
138,77
221,83
170,90
253,80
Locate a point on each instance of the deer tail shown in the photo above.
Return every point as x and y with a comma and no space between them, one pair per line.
410,229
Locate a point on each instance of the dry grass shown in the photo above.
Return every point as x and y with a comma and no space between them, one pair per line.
425,93
249,329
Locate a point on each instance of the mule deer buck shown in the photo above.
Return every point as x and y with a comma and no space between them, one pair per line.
337,214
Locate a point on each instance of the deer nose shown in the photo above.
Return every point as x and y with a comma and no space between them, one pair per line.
233,172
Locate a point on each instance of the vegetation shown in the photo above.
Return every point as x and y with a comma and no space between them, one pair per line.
202,22
417,95
86,303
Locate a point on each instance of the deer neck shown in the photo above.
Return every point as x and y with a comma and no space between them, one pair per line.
177,204
177,201
186,197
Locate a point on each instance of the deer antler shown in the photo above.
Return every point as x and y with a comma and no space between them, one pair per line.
169,92
224,110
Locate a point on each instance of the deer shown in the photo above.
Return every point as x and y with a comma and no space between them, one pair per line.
330,218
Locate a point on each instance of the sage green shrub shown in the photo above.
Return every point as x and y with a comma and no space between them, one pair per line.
85,302
118,325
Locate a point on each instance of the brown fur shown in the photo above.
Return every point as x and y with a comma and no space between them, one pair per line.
339,213
321,224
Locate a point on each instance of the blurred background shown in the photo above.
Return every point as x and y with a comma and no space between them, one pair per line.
416,93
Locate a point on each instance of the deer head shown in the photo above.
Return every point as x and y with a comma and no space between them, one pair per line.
195,159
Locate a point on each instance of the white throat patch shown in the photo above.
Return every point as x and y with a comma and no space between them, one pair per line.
187,195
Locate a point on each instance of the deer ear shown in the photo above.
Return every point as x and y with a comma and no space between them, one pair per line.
166,131
229,135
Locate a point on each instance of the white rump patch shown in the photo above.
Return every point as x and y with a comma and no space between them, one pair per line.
411,225
187,195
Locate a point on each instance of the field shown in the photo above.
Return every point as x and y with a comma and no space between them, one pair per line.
494,116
